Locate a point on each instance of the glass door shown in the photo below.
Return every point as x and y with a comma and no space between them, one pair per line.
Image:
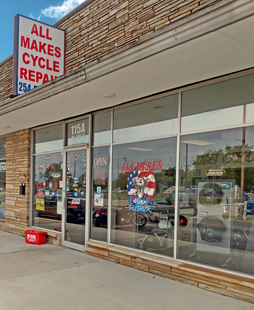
75,195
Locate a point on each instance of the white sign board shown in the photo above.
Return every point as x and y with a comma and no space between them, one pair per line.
98,200
215,235
59,207
39,51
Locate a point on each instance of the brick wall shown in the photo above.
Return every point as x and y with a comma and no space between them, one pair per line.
6,80
17,171
104,26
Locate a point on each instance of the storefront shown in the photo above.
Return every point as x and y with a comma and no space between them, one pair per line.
145,156
191,148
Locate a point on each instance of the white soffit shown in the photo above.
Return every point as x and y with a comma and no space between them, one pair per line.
217,53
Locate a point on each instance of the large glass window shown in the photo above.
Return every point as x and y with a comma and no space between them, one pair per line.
48,177
143,179
48,139
100,176
2,177
76,162
152,119
217,185
217,105
102,128
100,191
48,190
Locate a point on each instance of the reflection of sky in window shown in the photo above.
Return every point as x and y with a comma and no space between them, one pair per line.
49,146
80,163
213,119
102,137
153,130
76,141
41,159
155,150
102,128
49,139
250,113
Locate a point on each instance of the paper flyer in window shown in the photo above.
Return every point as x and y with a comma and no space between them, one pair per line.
98,200
40,204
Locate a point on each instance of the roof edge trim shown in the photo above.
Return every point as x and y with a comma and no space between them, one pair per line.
72,12
6,60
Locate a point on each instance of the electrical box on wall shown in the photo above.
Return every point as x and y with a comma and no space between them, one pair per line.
22,189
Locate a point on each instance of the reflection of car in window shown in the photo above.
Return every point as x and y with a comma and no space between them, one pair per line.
186,200
2,214
75,209
51,200
250,205
211,193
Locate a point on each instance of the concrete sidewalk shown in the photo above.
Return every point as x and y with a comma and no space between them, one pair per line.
47,277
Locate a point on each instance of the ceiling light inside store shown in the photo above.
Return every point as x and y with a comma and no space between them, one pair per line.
197,142
6,126
108,96
140,149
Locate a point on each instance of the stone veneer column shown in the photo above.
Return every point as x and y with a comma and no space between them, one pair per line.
17,171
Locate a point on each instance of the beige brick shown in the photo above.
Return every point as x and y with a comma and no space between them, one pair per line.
150,2
98,251
119,8
146,17
119,21
136,28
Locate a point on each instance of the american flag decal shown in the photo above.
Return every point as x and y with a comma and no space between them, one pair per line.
146,190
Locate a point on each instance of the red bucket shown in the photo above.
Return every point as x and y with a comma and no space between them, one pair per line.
35,236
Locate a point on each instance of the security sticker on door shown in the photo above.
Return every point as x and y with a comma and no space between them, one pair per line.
98,190
98,200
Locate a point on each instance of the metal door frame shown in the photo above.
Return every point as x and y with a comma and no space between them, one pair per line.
79,147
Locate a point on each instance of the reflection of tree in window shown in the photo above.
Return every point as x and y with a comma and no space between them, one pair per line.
230,159
53,173
121,181
165,179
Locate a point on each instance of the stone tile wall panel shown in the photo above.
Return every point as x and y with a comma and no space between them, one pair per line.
216,281
18,171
